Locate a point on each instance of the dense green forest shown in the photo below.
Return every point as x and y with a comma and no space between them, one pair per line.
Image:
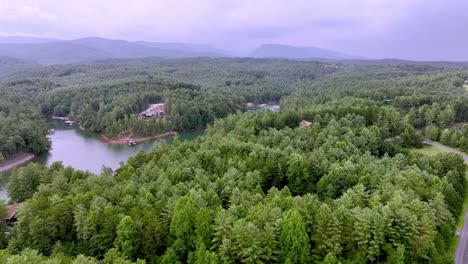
106,97
257,187
22,126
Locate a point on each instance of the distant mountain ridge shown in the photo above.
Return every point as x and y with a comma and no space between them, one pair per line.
52,51
25,40
82,50
293,52
5,60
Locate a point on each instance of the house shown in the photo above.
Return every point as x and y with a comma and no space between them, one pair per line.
11,215
305,123
154,110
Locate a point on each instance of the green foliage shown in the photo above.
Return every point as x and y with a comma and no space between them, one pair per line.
126,237
294,241
257,188
25,181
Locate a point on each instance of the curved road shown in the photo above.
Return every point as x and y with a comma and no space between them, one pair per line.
449,149
461,255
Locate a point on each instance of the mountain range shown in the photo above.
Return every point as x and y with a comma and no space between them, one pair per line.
292,52
56,51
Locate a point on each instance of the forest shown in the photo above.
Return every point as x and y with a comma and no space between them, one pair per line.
257,187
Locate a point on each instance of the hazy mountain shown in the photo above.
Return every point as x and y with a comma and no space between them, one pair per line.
292,52
53,51
9,65
5,60
24,40
200,48
50,51
123,48
129,49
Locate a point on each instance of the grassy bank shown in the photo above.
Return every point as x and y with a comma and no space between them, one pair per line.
429,150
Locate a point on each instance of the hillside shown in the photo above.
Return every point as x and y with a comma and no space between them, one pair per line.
187,47
49,51
24,40
9,66
52,52
347,188
292,52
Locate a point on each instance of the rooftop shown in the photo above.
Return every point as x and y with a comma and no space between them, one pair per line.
11,211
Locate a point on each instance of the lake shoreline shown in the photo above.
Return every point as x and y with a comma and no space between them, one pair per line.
16,161
124,140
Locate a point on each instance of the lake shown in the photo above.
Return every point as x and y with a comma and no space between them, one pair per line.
85,151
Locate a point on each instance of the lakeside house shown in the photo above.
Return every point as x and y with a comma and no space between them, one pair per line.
11,215
305,123
65,120
153,111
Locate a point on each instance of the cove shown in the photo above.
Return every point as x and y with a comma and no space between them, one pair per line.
83,150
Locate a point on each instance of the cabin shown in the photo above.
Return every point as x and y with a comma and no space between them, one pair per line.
10,218
305,123
153,111
387,100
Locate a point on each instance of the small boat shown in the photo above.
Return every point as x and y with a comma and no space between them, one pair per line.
131,142
51,131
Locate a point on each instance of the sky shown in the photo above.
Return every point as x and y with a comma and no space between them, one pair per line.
406,29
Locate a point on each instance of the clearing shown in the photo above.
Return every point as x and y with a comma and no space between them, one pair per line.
429,150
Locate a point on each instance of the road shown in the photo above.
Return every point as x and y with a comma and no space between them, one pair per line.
461,254
449,149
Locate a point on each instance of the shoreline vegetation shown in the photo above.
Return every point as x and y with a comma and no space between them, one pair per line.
15,161
124,140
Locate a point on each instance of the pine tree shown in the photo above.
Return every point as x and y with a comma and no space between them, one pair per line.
126,236
330,258
294,241
182,226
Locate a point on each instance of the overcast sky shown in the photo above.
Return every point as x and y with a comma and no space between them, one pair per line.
409,29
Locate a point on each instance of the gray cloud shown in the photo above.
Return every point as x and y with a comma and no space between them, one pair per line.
413,29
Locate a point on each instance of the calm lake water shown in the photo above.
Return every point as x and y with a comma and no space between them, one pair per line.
84,151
